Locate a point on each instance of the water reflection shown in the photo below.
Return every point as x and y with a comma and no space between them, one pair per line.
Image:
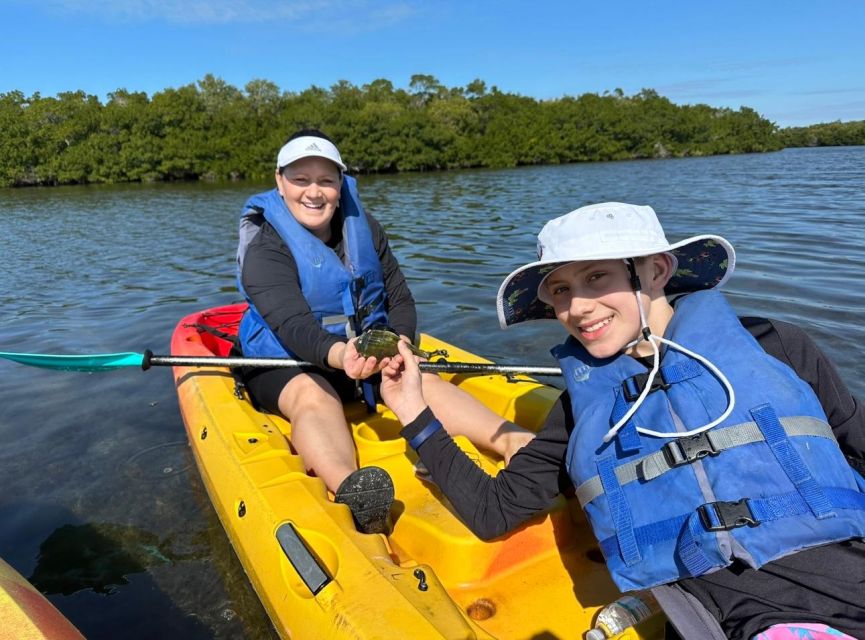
98,557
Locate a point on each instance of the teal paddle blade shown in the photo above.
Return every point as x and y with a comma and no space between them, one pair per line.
94,362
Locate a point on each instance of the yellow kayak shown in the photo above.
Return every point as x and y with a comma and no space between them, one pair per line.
25,614
318,577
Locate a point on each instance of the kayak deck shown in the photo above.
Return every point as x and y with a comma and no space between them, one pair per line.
431,577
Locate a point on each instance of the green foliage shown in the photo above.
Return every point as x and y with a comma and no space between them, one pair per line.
211,130
830,134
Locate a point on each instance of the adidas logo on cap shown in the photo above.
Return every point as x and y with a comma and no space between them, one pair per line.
305,146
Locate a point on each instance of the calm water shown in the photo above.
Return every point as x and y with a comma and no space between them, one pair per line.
101,505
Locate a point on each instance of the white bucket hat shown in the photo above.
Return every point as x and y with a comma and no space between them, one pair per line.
306,146
608,231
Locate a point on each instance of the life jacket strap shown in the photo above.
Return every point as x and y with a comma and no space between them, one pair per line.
620,510
791,462
340,319
687,450
369,398
666,376
348,306
689,529
724,516
633,387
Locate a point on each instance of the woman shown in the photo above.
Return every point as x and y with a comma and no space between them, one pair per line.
317,270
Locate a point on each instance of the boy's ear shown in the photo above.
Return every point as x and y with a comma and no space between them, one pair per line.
662,270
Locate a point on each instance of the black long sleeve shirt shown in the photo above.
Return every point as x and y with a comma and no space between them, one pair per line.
270,278
823,584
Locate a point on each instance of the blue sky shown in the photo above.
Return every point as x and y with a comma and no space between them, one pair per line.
796,62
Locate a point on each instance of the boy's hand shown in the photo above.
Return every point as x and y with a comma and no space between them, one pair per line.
401,387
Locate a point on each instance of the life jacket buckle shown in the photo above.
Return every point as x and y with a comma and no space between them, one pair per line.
688,449
723,516
633,386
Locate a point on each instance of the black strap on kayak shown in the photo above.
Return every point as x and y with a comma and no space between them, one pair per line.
215,330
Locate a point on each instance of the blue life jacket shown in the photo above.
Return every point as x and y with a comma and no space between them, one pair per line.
343,297
767,482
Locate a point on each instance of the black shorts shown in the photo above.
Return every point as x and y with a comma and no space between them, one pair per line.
265,385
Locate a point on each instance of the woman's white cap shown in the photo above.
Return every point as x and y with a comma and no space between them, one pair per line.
308,146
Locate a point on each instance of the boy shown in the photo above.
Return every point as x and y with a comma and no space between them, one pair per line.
712,476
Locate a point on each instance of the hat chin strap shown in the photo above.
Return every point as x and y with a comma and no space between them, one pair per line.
647,335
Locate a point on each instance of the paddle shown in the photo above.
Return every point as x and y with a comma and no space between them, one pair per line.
100,362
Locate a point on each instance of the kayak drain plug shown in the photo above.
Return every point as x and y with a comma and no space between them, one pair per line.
421,580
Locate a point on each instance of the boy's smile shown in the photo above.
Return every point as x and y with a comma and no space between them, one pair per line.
595,329
595,302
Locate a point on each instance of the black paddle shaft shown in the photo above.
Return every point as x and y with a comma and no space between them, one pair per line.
151,360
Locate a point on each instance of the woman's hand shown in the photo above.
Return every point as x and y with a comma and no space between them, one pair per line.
356,366
401,387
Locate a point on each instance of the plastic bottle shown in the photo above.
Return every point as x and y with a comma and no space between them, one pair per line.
622,614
